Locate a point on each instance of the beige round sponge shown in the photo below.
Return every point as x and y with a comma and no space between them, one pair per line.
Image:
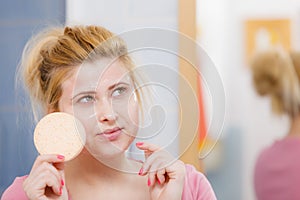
59,133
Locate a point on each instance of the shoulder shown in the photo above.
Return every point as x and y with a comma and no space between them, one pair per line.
282,154
196,186
15,190
278,163
280,150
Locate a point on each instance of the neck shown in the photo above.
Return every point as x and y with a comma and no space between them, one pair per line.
295,126
91,169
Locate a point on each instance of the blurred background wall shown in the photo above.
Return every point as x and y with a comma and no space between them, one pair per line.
18,21
249,124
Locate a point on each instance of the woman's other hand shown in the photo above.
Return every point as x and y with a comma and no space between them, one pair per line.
165,174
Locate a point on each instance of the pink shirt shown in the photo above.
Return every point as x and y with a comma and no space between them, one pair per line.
277,171
196,187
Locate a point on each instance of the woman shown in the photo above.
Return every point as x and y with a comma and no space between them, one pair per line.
276,74
86,71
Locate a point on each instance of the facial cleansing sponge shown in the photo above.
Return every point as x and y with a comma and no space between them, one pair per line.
59,133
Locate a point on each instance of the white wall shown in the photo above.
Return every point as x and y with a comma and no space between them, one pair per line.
119,16
223,36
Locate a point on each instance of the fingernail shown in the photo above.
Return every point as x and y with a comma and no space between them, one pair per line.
141,171
149,182
139,143
158,181
61,157
62,182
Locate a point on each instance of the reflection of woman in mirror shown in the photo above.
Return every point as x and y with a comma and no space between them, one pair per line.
86,71
276,74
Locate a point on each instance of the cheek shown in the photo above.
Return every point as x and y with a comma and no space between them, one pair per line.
133,112
133,118
128,113
128,110
87,116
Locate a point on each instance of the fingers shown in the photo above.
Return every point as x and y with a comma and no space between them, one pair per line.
46,177
47,168
51,180
157,159
49,158
152,171
147,147
157,177
160,176
155,164
160,166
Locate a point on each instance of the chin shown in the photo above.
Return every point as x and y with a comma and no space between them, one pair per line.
109,151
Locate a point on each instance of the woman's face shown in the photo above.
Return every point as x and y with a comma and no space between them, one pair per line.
102,96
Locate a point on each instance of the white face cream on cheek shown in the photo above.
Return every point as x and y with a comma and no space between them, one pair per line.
92,115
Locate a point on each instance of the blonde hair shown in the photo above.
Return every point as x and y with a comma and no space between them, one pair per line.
276,74
49,59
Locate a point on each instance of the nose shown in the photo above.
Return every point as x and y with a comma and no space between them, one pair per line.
105,112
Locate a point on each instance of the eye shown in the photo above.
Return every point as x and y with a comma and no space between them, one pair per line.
86,99
118,91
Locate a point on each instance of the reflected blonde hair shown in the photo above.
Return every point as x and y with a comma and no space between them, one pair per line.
50,57
276,74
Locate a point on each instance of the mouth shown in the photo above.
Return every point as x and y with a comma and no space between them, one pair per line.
112,134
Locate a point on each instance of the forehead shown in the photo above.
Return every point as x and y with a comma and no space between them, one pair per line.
99,74
102,69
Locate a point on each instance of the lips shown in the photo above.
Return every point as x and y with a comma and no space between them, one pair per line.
112,134
111,131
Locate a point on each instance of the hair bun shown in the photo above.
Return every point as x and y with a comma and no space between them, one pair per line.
267,70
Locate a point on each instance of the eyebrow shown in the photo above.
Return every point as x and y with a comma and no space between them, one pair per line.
117,84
